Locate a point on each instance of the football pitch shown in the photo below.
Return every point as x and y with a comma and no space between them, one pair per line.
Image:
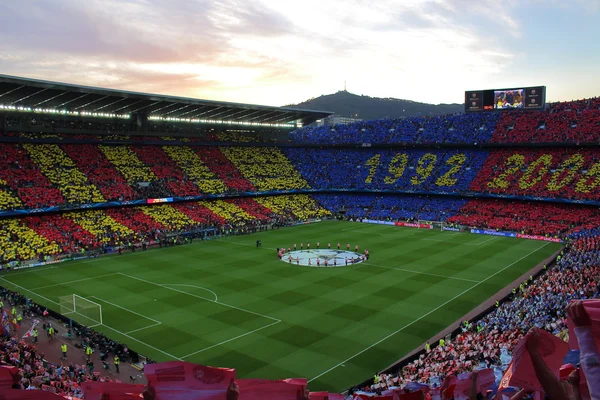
227,303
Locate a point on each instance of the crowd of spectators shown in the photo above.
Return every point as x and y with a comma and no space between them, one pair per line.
391,207
23,179
537,218
42,175
63,173
388,169
34,371
216,161
567,122
488,342
461,128
569,173
90,160
40,236
188,168
267,168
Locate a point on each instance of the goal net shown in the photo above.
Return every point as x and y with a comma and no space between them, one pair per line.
86,311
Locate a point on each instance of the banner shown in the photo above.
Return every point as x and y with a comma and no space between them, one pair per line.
493,233
18,394
180,380
520,372
261,389
326,395
29,332
378,222
485,379
414,225
112,390
538,237
7,377
593,309
451,229
163,200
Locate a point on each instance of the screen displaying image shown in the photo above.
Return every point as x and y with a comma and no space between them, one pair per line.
508,98
504,99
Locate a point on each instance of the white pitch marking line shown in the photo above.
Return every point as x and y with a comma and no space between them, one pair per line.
426,314
216,300
106,326
485,241
199,297
75,281
145,327
232,339
422,273
461,243
126,309
246,244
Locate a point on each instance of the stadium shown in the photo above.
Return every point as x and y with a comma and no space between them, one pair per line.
156,229
169,231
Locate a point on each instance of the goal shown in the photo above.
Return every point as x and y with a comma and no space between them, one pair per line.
438,225
89,312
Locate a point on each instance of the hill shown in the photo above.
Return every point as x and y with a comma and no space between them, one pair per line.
347,104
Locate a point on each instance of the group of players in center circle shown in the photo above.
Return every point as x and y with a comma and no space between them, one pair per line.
281,251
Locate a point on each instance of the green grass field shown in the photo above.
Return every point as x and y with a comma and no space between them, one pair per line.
227,303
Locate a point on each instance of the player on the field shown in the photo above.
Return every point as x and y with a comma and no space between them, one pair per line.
328,245
318,244
297,260
290,259
307,245
346,260
310,262
294,246
318,262
356,248
335,262
338,245
326,263
348,247
301,246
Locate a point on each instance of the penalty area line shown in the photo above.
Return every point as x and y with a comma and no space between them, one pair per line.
103,325
216,300
426,314
166,286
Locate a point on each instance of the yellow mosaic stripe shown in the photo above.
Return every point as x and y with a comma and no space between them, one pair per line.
7,200
301,205
96,222
128,163
62,171
229,211
266,167
29,244
168,216
195,169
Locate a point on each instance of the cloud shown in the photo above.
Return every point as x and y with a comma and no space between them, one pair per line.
268,51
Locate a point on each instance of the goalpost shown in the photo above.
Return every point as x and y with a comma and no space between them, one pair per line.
83,307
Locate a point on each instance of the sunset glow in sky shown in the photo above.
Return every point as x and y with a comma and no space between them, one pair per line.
279,52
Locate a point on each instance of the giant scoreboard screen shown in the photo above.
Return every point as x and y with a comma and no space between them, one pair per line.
530,98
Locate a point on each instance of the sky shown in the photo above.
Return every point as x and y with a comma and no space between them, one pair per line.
278,52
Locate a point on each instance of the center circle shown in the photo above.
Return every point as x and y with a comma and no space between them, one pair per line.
324,258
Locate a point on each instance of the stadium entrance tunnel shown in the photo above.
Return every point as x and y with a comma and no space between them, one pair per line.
322,258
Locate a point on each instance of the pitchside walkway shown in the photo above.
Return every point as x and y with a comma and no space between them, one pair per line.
51,351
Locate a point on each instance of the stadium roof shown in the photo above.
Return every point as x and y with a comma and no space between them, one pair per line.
24,94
